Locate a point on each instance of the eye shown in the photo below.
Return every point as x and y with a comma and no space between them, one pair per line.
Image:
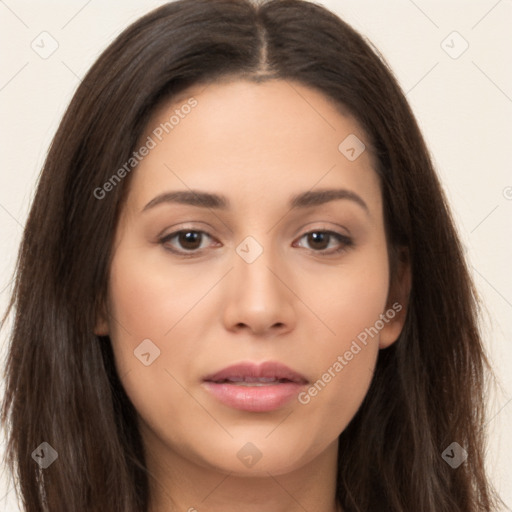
320,240
188,239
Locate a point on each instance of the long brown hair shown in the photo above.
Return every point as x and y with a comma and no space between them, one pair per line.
61,382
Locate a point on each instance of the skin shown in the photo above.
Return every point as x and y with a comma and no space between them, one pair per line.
257,144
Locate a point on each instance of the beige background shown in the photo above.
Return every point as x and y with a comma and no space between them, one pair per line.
463,102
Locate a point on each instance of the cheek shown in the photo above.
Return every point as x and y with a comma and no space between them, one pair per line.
145,304
146,298
332,400
147,322
350,306
350,297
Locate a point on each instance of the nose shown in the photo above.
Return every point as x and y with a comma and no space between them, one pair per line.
260,297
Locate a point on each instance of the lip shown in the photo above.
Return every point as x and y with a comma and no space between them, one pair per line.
262,397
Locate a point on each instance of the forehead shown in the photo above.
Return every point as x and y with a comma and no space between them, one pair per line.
251,140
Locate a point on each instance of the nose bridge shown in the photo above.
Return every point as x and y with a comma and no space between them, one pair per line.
258,296
256,265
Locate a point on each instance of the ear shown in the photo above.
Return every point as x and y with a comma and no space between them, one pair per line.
398,299
101,327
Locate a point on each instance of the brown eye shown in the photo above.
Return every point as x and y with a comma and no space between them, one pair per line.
186,240
189,239
320,241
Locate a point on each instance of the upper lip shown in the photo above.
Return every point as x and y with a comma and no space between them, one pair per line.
255,371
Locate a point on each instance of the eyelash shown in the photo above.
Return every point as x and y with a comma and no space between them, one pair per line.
345,241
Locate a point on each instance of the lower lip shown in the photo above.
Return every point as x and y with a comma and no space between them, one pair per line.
254,398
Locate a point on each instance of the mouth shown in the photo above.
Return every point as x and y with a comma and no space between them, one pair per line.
255,387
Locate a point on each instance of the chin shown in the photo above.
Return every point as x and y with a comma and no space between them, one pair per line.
257,458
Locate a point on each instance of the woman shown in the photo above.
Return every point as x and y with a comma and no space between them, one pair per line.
240,286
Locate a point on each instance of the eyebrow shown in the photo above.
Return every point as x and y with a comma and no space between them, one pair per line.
219,202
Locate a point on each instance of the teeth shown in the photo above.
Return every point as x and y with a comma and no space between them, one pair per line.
254,381
251,379
256,384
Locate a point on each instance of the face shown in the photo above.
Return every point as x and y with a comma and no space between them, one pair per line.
246,323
